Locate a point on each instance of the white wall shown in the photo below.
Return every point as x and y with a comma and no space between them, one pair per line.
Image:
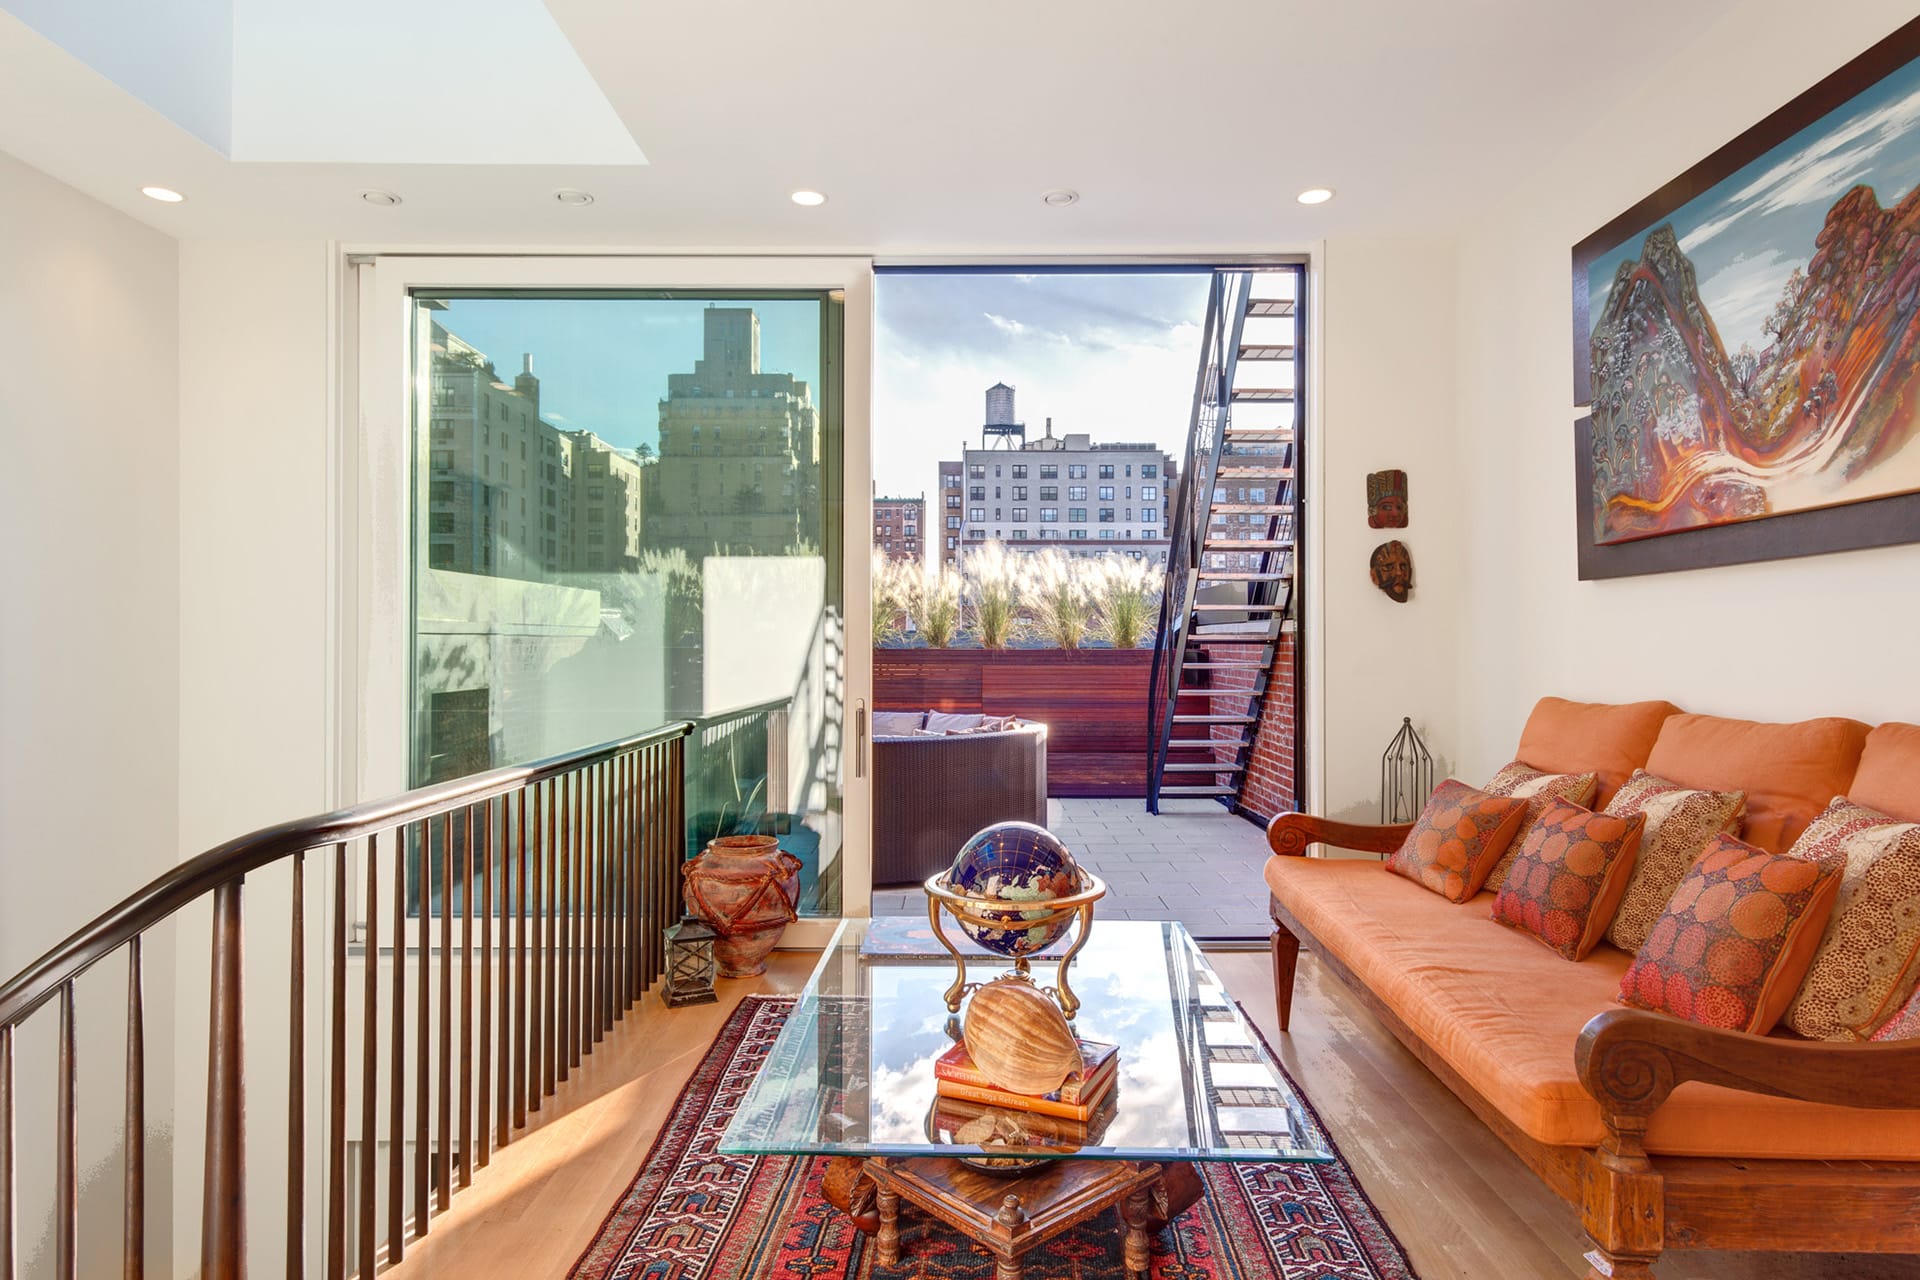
1826,635
89,638
1387,401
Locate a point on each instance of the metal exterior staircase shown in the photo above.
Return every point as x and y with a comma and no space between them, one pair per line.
1229,593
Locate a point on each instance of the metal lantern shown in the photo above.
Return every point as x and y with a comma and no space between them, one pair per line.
690,965
1406,775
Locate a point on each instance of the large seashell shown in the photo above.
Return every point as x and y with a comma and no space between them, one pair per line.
1019,1039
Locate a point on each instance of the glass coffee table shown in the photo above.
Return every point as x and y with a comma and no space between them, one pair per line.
851,1077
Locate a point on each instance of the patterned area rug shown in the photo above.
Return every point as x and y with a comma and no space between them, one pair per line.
693,1214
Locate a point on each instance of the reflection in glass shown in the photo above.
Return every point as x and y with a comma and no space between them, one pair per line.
646,530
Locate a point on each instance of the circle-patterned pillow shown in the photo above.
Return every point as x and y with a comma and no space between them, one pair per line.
1456,840
1735,940
1567,878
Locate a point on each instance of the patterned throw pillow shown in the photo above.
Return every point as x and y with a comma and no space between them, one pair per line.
1904,1025
1456,840
1736,938
1568,876
1538,789
1680,821
1870,957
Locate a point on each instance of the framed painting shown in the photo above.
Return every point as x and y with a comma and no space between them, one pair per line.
1747,340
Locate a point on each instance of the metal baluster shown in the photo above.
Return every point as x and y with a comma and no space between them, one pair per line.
369,1063
522,897
9,1217
485,1089
134,1191
223,1208
66,1222
337,1077
550,1031
443,1157
397,1074
297,1080
423,1024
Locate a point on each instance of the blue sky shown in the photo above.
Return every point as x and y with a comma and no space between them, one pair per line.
1110,353
1748,233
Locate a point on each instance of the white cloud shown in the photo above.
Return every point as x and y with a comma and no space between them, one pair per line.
1818,171
1741,295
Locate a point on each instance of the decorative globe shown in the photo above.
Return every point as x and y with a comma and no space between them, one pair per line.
1015,863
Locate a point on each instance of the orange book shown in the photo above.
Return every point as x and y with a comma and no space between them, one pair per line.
1082,1111
1098,1063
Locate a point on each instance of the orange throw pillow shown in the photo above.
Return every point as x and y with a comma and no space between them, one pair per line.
1736,938
1567,879
1524,782
1456,840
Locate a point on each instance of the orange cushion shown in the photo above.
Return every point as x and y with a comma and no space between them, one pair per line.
1610,739
1889,774
1566,883
1456,840
1736,938
1504,1012
1790,772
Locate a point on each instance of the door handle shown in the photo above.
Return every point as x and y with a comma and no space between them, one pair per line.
860,739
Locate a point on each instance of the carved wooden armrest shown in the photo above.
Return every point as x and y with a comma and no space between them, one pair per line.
1290,834
1630,1060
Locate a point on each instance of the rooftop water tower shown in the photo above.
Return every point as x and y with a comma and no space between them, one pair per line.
1001,430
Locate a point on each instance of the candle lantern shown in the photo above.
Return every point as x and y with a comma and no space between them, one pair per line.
690,965
1406,776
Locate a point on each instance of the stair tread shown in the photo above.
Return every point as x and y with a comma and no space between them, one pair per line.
1203,768
1251,508
1199,791
1247,607
1235,575
1266,351
1269,306
1262,393
1196,719
1216,693
1248,544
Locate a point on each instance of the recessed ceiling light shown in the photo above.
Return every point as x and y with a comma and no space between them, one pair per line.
809,198
165,195
1060,198
385,199
573,196
1315,195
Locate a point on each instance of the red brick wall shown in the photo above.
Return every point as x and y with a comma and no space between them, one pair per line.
1269,787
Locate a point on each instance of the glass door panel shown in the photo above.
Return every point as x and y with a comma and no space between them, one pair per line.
628,509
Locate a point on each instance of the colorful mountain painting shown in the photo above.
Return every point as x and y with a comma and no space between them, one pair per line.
1757,352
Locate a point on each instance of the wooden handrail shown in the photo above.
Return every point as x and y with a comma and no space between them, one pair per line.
197,877
582,879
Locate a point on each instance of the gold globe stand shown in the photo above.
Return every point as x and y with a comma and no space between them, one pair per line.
1008,916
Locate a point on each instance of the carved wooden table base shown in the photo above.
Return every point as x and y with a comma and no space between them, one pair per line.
1010,1216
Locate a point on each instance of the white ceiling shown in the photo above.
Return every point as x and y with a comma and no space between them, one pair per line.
930,127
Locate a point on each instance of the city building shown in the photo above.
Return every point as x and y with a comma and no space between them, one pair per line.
739,468
607,506
899,526
1056,491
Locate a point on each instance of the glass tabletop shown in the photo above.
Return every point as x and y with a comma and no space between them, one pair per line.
852,1071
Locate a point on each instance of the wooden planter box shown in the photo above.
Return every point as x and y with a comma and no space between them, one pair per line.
1093,702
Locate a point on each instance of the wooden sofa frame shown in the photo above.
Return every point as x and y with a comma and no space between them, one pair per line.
1632,1205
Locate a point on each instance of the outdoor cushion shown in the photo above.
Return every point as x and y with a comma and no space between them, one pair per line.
1608,739
946,722
897,724
1790,772
1889,774
1504,1012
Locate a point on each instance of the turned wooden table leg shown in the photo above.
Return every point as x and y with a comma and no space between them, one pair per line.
1138,1243
1006,1269
888,1240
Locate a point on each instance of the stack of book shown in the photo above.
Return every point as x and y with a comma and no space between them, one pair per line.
956,1076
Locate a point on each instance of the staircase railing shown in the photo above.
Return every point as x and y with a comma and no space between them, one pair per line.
574,862
1192,507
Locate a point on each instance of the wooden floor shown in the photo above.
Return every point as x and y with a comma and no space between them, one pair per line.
1464,1206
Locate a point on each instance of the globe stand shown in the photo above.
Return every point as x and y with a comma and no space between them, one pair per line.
1003,916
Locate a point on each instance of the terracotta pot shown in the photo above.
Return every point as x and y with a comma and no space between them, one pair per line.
747,889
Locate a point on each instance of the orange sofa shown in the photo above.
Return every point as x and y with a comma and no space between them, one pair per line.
1666,1134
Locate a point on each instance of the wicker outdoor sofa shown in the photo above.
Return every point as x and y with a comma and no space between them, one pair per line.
931,791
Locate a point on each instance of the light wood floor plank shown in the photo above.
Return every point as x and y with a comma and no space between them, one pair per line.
1465,1207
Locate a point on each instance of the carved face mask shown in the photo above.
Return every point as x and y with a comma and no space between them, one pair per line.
1391,568
1387,500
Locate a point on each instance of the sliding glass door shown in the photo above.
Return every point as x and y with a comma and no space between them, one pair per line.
624,503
